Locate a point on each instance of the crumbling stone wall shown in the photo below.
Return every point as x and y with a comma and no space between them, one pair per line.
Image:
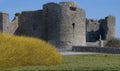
92,30
31,23
12,26
97,30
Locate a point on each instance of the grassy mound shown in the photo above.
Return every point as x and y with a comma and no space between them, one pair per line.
24,51
114,42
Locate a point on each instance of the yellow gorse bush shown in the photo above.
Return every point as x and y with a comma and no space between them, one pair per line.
26,51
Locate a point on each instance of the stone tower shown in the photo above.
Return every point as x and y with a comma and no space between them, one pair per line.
4,20
111,26
65,24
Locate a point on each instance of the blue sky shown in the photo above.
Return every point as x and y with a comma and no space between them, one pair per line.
96,9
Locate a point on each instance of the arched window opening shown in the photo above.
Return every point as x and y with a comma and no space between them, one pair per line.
73,25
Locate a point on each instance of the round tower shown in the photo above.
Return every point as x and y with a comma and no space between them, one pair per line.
111,26
4,20
65,25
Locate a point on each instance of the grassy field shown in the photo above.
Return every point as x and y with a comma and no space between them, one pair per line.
99,62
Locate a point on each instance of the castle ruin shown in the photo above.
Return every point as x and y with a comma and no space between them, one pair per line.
64,25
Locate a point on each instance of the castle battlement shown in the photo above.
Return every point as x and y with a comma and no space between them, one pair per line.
74,4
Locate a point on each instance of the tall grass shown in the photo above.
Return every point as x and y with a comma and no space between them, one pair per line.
26,51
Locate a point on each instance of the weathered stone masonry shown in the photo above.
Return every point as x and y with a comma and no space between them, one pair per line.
63,25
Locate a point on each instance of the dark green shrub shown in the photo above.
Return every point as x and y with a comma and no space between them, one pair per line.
114,42
17,14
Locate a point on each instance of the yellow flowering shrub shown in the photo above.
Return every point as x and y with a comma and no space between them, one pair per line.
26,51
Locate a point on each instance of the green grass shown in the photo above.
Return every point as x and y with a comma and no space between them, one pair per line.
98,62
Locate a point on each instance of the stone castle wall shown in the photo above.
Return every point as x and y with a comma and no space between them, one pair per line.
4,21
31,24
108,50
111,27
92,30
52,19
64,25
1,22
13,25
